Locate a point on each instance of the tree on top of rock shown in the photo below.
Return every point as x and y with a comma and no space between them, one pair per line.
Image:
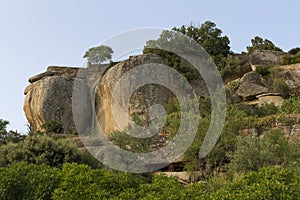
209,37
99,54
262,44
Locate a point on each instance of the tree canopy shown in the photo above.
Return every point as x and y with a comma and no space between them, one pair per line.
99,54
262,44
209,37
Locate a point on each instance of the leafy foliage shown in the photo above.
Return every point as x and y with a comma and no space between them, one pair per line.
253,153
53,126
280,86
28,181
264,70
294,50
262,44
8,136
267,183
209,37
73,181
290,105
40,149
99,54
289,59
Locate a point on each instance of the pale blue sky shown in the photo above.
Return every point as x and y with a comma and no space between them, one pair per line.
38,33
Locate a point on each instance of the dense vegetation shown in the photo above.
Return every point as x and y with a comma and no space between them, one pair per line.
74,181
253,159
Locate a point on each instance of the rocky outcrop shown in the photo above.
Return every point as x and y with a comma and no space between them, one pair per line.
49,96
265,57
251,85
270,98
140,101
49,99
291,75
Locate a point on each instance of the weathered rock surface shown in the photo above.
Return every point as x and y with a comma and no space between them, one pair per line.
269,98
265,57
291,75
50,99
140,100
251,85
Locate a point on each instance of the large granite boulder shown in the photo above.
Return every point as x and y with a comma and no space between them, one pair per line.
251,85
291,75
140,100
265,57
50,98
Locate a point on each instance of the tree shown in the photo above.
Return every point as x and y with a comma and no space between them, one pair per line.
99,54
209,37
8,136
294,51
40,149
262,44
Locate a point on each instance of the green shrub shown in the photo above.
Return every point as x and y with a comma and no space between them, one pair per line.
53,127
294,51
82,182
253,153
267,183
264,70
233,86
266,110
8,136
280,86
290,105
289,59
40,150
28,181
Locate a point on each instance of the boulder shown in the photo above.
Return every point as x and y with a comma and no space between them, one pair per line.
265,57
269,98
291,75
140,100
48,99
40,76
251,85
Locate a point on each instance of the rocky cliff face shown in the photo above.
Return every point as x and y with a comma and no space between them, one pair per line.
49,95
140,100
265,57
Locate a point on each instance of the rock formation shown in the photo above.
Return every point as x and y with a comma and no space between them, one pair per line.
140,100
265,57
251,85
49,95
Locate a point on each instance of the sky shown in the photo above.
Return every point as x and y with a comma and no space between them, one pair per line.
38,33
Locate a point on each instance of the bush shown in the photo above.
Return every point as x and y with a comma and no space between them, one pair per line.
267,183
28,181
294,51
264,70
53,127
8,136
266,110
262,44
40,150
253,153
289,59
290,105
82,182
280,86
